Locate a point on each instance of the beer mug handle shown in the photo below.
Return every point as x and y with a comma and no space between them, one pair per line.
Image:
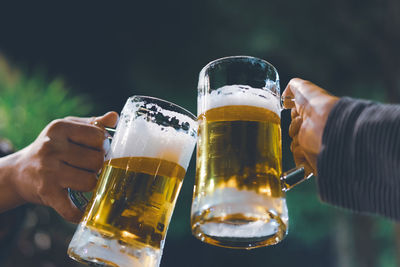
81,199
297,175
293,177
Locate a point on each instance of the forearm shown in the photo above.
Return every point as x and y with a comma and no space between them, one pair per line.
359,163
9,197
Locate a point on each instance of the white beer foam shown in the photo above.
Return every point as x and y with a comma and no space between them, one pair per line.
234,95
138,137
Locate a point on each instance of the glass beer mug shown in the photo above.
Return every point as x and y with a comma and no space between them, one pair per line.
239,194
126,221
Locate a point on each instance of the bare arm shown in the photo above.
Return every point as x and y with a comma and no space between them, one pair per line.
8,196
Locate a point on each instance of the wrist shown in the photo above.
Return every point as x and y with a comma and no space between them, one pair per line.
331,102
9,193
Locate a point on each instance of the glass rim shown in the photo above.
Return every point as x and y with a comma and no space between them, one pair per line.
185,111
223,59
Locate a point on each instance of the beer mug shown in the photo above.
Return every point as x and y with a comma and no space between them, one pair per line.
126,221
239,194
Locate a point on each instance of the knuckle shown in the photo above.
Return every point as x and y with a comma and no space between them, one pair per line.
299,83
296,81
294,129
304,82
46,147
68,118
57,125
297,122
291,130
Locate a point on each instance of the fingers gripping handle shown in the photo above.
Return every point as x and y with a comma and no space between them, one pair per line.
293,177
81,199
297,175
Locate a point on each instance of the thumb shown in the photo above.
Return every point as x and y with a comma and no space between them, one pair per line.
109,119
302,94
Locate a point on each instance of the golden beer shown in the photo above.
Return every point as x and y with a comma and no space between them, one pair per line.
134,200
238,199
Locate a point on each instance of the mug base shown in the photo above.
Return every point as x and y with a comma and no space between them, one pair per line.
91,247
239,219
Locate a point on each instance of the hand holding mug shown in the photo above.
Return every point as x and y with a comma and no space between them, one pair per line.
310,106
68,153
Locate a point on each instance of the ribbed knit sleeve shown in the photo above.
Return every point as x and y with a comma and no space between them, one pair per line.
359,163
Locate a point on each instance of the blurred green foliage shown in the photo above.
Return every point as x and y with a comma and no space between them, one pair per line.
28,102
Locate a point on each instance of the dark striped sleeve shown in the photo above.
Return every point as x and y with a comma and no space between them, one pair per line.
359,163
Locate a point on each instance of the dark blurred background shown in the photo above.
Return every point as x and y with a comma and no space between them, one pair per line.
80,58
